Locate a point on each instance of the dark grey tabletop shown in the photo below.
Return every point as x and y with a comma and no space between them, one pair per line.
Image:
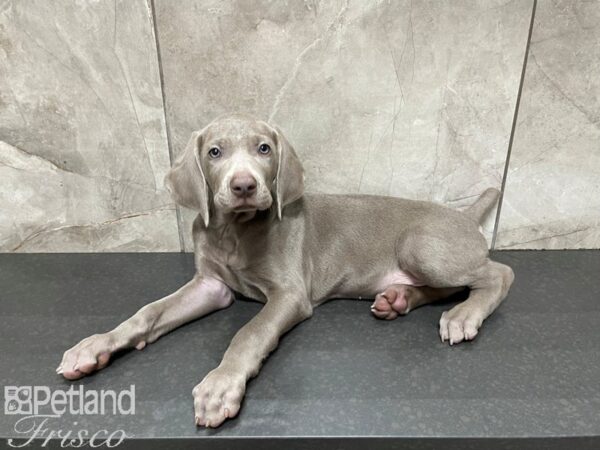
532,376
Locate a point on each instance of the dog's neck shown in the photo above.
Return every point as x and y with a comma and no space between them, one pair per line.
220,220
240,217
226,230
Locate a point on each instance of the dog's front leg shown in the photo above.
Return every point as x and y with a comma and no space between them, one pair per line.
197,298
219,395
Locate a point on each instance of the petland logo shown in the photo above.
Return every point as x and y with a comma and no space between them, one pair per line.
38,405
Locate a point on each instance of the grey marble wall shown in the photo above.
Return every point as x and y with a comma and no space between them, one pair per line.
83,147
552,195
405,98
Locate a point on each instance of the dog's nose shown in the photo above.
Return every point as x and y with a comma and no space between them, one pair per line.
243,184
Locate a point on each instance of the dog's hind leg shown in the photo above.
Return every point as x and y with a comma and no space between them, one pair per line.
438,261
488,289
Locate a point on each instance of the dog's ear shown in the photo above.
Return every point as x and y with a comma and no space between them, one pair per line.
186,182
289,182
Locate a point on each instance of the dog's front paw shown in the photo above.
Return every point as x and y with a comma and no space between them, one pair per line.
459,324
91,354
218,397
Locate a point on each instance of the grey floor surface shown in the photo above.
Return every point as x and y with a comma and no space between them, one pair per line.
341,380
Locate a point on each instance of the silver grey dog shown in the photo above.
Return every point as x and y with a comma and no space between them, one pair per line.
258,234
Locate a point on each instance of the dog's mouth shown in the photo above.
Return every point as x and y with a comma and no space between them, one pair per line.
228,203
244,208
244,204
249,204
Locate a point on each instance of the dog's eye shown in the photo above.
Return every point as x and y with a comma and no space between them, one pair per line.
264,149
214,152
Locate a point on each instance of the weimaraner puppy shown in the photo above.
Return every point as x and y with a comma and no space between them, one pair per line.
258,234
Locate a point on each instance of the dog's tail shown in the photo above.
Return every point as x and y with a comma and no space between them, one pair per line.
482,206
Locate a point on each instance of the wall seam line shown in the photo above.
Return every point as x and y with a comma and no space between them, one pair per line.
167,129
514,126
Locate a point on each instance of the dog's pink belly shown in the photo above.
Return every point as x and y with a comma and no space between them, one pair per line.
376,286
399,277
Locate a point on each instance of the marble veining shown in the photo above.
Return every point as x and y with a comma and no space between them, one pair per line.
405,98
411,99
83,147
552,195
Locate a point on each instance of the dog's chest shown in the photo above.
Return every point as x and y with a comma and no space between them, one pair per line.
236,266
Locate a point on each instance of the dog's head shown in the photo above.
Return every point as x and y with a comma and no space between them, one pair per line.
236,164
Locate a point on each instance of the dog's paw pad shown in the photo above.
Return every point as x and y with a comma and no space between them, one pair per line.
391,303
